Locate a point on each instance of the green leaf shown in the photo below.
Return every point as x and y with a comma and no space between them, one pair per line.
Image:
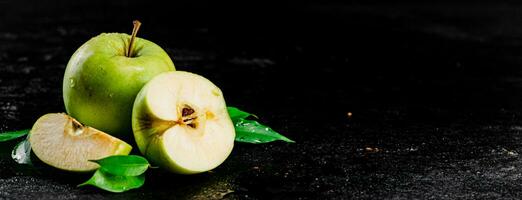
13,135
251,131
131,165
236,114
22,152
113,183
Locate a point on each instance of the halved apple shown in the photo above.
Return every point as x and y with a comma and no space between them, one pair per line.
180,122
62,142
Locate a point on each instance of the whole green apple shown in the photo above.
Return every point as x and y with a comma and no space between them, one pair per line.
104,76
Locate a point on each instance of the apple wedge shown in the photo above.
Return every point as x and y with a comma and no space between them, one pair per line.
62,142
181,123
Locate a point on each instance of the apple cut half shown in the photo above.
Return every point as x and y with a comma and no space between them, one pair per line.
62,142
180,122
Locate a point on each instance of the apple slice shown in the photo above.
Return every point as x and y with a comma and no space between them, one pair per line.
181,123
62,142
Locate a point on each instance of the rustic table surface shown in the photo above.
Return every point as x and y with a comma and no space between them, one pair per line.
434,92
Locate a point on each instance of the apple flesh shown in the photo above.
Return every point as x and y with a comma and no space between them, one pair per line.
181,123
62,142
101,80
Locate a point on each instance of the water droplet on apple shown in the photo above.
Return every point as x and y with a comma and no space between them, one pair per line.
71,82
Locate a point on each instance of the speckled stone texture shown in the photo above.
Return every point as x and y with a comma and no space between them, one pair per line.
435,92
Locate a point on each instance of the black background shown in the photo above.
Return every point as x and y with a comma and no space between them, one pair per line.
434,89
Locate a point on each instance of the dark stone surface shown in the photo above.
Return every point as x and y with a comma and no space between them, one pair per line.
434,89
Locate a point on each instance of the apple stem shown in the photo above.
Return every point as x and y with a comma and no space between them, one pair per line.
135,29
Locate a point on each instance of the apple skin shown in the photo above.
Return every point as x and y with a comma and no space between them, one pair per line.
101,83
